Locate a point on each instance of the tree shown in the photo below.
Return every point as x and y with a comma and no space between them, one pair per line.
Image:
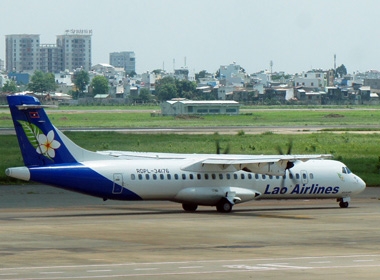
42,82
81,80
166,89
145,95
341,71
200,75
9,86
100,85
166,92
158,71
132,74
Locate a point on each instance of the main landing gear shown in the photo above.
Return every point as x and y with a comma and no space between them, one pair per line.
223,206
188,207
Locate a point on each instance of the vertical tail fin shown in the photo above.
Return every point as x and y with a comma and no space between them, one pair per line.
40,142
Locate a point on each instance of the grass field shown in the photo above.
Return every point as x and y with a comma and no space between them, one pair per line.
132,118
360,152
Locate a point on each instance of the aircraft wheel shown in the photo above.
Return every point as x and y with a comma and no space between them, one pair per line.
343,204
189,207
224,206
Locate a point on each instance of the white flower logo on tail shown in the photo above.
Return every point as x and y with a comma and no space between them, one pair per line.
43,144
47,145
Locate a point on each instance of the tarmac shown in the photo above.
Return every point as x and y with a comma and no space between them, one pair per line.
48,233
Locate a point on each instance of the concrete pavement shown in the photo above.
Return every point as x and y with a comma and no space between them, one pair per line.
47,233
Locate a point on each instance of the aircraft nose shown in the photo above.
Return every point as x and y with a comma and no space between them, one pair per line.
361,185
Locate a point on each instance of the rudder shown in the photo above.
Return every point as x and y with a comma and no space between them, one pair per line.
39,140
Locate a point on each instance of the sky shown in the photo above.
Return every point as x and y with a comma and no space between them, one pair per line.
296,35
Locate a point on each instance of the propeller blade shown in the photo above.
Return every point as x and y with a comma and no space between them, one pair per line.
217,143
227,149
290,147
219,148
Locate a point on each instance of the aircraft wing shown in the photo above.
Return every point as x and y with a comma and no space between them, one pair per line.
141,155
269,165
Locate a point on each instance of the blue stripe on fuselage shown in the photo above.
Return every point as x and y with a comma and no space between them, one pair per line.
79,178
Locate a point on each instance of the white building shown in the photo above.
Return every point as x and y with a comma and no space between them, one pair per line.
22,52
126,60
189,107
148,80
76,50
313,79
232,74
2,65
25,53
3,79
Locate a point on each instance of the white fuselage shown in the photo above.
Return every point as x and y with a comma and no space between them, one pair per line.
164,179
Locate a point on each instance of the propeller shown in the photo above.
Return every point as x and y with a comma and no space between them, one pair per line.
289,164
289,150
219,148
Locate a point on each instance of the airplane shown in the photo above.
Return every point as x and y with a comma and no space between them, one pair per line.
218,180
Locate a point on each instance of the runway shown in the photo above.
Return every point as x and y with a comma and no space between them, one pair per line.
47,233
293,129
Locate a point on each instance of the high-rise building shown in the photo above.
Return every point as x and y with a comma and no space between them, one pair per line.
50,58
124,60
76,51
22,52
25,53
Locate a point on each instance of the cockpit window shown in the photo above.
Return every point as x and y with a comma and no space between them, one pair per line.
345,170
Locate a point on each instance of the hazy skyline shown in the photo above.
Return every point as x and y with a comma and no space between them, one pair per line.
297,35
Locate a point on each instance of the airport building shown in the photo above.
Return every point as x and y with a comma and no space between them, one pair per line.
25,53
179,106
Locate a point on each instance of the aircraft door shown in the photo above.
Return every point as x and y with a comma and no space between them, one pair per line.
304,177
117,183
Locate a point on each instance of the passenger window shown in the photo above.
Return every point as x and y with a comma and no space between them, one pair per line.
162,176
176,176
263,177
250,176
183,176
270,177
169,176
291,176
199,176
140,177
256,176
154,176
191,176
304,176
242,176
133,177
297,176
206,176
213,176
220,176
147,176
235,176
311,176
228,176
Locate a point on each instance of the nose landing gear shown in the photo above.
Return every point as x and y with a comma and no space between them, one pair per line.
344,202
